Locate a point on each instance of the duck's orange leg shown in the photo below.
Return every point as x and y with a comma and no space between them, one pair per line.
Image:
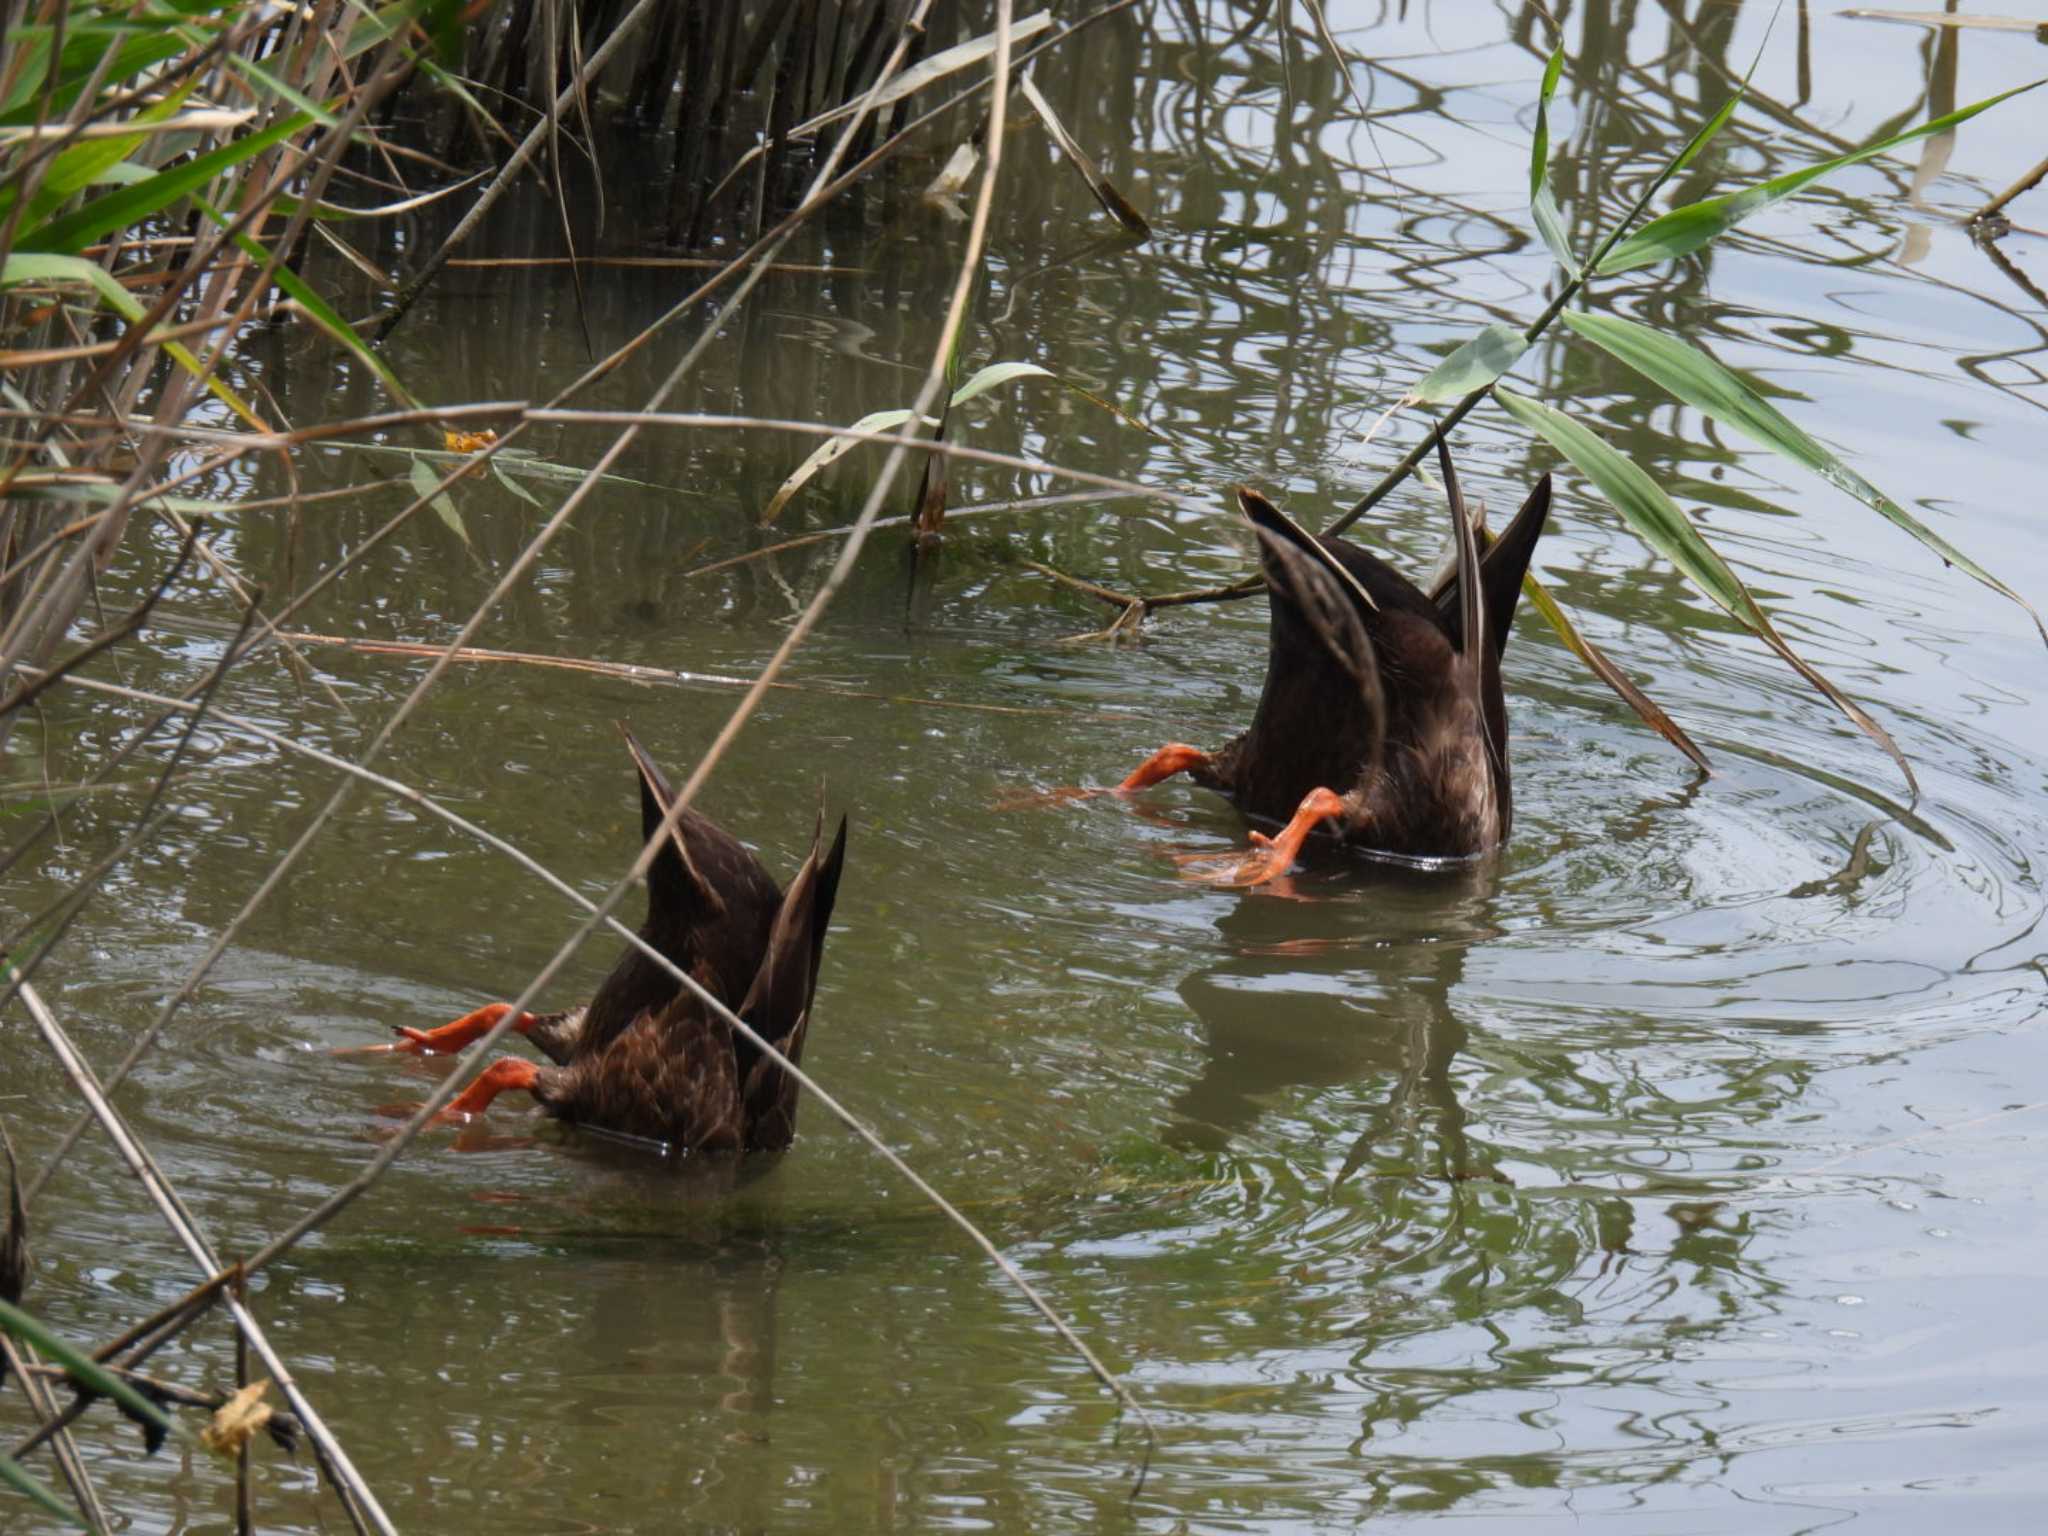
505,1075
447,1039
1271,856
1174,757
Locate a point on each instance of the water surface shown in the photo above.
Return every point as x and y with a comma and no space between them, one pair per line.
1669,1170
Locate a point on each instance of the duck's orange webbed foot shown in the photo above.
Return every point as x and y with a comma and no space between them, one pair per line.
1270,857
508,1074
447,1039
1174,757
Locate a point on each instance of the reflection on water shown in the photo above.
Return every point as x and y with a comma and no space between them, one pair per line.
1670,1168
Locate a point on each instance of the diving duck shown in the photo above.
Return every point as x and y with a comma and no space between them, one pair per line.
1382,710
644,1057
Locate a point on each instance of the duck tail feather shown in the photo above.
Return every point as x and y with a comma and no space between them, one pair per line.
673,878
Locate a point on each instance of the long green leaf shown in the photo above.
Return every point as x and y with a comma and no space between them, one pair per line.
1474,365
1542,201
998,373
317,309
84,1369
1684,230
83,48
118,210
46,267
1647,709
89,160
1704,384
1656,520
881,421
825,453
19,1478
277,85
428,484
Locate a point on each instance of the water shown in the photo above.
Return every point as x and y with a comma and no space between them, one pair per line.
1669,1171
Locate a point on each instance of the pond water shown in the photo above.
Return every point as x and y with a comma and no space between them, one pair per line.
1668,1171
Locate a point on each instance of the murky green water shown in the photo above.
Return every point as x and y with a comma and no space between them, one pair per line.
1671,1172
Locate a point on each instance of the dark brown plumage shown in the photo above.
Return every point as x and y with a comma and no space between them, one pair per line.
645,1057
1382,710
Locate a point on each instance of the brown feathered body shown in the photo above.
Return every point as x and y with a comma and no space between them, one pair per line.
645,1057
1381,693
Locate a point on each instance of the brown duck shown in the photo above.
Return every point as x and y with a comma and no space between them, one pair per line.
1382,709
645,1057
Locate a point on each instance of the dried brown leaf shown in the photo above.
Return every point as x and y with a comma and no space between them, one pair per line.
236,1420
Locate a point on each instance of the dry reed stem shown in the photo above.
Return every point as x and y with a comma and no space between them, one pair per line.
409,294
182,1224
633,672
826,535
25,1365
160,430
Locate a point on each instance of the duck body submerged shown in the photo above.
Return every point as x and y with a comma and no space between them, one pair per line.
645,1057
1382,712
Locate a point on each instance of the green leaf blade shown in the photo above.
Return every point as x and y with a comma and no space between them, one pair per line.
25,1483
129,205
995,374
87,1371
1657,520
1684,230
1701,382
427,485
1543,207
1475,364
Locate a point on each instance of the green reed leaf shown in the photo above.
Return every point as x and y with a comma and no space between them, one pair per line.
24,1482
317,309
428,484
1474,365
90,160
47,267
1542,201
88,1372
1647,709
1684,230
1657,520
130,205
998,373
1705,385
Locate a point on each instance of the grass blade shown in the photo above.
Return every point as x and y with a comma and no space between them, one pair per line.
1542,202
317,309
428,484
1656,520
1114,203
82,51
998,373
92,159
1475,364
130,205
880,421
86,1371
1684,230
1647,709
825,453
22,1481
1705,385
45,267
948,60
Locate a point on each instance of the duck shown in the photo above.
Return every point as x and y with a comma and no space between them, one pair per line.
645,1058
1382,713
